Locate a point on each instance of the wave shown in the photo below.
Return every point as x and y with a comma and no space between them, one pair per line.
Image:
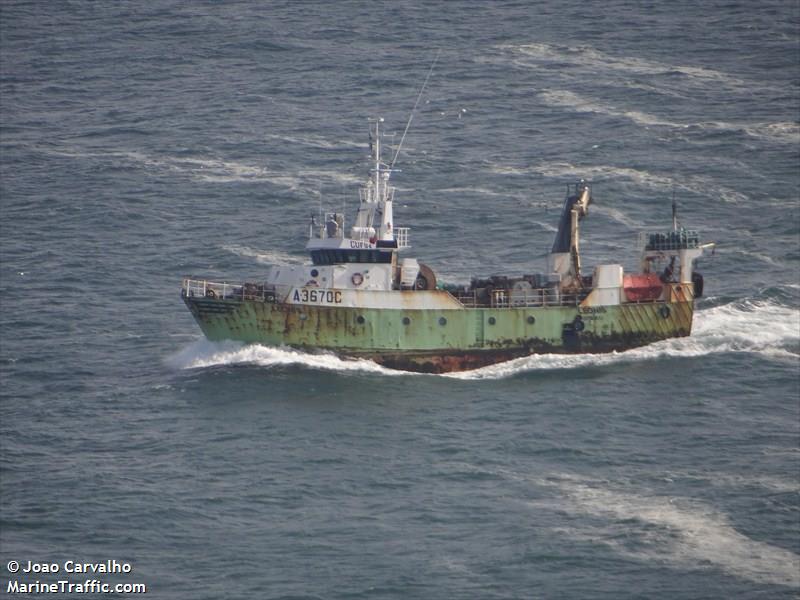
334,176
267,258
680,531
316,141
782,132
619,216
738,481
204,354
546,226
593,60
694,184
213,170
216,170
577,103
758,327
758,256
477,190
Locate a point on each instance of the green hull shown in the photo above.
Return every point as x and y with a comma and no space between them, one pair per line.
436,341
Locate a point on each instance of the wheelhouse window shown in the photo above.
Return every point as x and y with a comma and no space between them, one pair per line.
338,256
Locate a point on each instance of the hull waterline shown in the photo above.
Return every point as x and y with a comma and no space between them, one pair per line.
441,341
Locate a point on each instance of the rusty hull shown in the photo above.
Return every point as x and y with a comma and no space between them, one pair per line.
441,340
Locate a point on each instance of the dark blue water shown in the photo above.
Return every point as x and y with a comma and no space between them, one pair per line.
142,142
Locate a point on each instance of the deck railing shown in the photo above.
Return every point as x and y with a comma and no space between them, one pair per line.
402,235
201,288
672,240
260,292
518,299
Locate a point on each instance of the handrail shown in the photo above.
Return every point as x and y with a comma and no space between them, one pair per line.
224,290
532,298
261,292
682,239
402,234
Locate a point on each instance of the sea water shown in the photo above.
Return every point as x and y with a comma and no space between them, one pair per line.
143,142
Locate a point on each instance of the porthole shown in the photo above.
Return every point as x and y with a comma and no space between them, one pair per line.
314,272
303,316
531,320
360,319
406,321
665,311
442,321
492,320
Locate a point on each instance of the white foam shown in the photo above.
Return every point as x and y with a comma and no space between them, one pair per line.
696,184
781,132
564,170
619,216
675,530
750,326
762,257
594,60
546,226
214,170
736,481
577,103
477,190
265,257
211,170
316,141
787,132
204,354
762,328
334,176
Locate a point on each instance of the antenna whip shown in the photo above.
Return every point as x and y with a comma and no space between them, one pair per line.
413,110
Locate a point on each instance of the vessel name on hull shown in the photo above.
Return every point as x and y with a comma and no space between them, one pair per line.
317,296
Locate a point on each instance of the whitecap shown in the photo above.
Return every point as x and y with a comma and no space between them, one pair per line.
334,176
204,354
316,141
780,132
788,132
756,327
696,184
577,103
676,530
618,216
264,257
592,59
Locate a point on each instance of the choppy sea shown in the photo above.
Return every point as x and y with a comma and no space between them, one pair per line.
145,141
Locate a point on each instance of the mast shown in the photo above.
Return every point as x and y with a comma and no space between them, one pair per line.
378,159
674,212
376,198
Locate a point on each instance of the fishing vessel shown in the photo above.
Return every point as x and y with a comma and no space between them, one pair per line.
360,295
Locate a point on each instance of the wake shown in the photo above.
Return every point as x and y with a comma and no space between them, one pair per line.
205,354
763,328
758,327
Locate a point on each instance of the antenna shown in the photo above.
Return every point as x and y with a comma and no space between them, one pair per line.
674,212
413,110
